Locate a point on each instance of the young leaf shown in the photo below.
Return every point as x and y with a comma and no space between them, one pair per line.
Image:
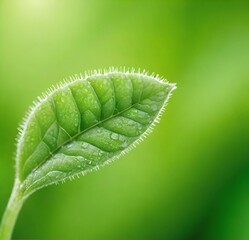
86,123
81,125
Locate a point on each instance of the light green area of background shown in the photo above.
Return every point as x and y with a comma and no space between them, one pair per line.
189,178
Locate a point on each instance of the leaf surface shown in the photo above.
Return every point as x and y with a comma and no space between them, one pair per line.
86,123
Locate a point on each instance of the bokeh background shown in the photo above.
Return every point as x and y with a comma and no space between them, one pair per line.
190,179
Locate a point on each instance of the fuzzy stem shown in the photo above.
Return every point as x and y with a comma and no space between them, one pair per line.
13,208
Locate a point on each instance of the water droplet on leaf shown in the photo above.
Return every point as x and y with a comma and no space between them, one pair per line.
114,136
154,107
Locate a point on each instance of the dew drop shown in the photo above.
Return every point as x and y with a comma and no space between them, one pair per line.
124,144
114,136
130,123
84,145
154,107
69,145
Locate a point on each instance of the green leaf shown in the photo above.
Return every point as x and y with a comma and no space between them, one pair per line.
85,123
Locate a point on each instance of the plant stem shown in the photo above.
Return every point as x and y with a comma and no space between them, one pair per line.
13,208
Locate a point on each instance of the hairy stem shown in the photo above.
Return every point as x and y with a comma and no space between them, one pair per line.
11,213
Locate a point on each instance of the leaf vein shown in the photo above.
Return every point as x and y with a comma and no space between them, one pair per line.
96,96
77,107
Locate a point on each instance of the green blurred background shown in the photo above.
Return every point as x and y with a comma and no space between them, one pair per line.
190,179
